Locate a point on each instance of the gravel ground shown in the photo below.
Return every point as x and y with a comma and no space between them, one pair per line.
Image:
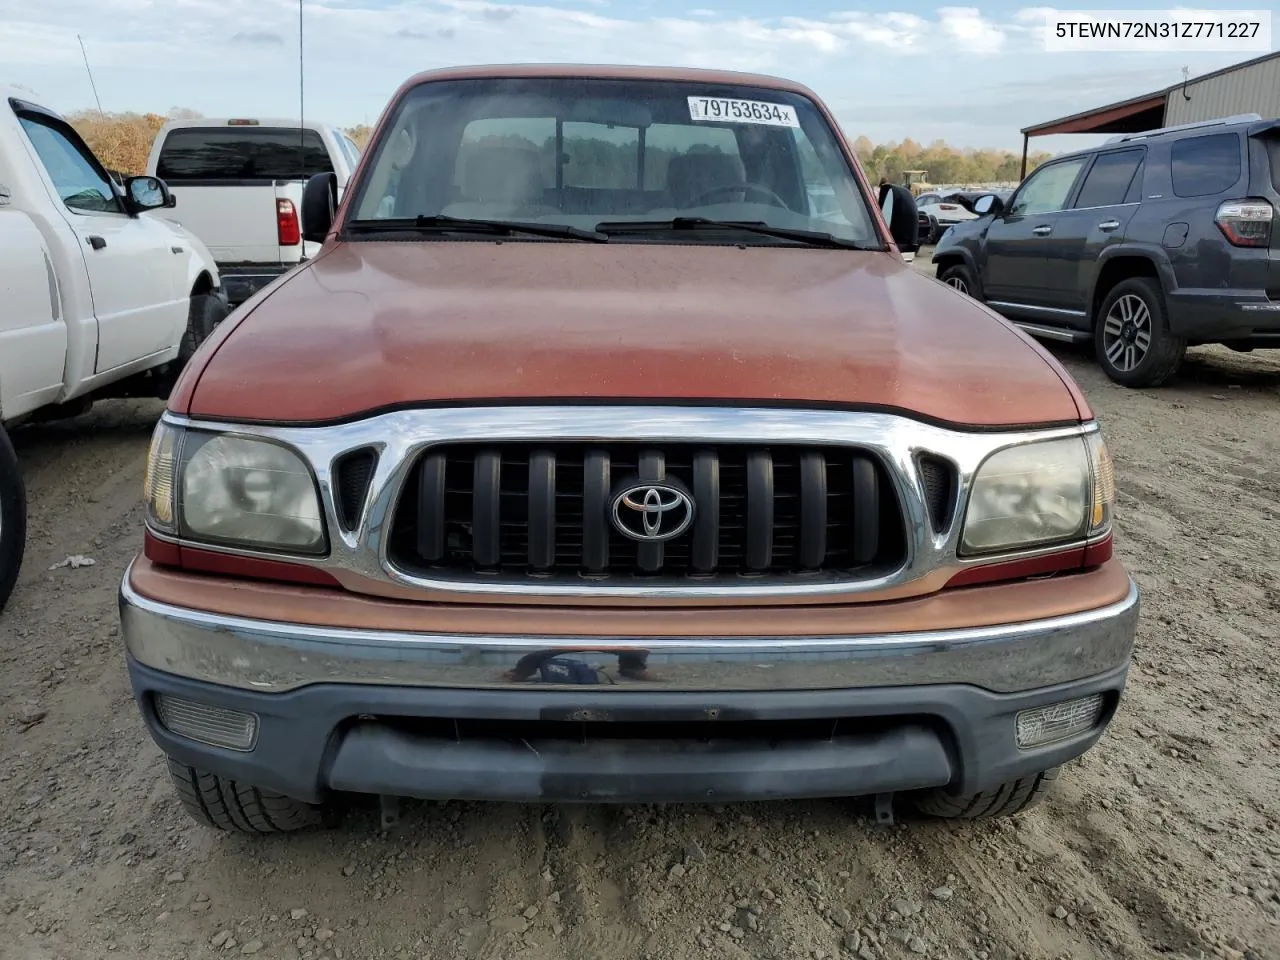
1162,842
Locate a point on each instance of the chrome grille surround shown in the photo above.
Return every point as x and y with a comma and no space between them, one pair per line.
358,557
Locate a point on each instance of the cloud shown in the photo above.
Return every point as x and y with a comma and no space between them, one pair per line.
550,30
993,113
1033,16
968,28
901,32
1101,85
953,64
258,38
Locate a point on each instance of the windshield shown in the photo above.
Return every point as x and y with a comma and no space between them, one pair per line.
581,152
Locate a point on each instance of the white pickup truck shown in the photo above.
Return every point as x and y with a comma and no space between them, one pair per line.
239,186
96,300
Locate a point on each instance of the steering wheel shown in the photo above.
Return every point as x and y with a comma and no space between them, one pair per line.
757,189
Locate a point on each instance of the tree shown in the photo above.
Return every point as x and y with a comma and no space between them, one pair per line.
123,141
359,134
944,164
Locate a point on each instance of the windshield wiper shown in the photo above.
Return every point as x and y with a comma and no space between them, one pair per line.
505,228
813,237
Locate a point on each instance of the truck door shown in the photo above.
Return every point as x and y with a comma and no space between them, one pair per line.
140,308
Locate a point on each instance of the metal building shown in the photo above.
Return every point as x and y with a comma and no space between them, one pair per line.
1249,87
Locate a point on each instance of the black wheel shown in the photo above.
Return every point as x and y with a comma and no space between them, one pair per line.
13,518
228,805
1131,335
1006,800
960,277
205,313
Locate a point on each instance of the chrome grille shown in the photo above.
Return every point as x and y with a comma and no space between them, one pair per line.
544,510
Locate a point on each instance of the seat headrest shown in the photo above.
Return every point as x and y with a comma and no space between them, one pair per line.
503,175
691,174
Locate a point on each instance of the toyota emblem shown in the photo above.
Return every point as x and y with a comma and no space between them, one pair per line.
652,512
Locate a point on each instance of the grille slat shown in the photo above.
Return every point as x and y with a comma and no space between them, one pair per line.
486,510
431,497
523,509
705,552
542,510
866,516
759,510
595,511
813,509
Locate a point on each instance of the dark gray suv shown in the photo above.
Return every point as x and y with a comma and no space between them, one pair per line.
1146,245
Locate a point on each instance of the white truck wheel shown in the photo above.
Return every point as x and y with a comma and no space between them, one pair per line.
13,518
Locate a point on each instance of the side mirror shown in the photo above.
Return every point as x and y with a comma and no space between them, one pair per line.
319,206
899,208
988,204
147,193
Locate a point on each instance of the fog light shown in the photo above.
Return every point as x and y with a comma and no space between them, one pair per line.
216,726
1058,721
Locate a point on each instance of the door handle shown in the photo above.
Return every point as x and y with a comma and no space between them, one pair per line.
1109,225
96,242
1042,231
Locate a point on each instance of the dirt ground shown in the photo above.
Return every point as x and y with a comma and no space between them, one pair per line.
1162,842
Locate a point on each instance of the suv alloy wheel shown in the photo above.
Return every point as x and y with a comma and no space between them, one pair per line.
1131,334
959,277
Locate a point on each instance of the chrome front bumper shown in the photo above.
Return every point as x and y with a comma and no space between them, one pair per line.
270,657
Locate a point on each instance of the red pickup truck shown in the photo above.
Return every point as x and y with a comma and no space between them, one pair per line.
608,451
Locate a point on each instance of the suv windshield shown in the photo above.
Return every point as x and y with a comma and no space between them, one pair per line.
584,152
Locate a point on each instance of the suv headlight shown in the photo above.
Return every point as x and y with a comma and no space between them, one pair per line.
1040,493
231,489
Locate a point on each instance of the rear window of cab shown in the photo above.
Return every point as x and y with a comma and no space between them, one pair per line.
241,153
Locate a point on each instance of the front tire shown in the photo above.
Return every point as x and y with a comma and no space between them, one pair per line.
1008,799
240,807
205,313
959,277
1132,338
13,518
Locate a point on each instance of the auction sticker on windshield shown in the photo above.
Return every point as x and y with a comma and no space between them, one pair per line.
742,111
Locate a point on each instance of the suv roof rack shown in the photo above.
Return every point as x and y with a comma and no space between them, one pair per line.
1219,122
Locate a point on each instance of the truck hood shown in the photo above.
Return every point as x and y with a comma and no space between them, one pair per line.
367,326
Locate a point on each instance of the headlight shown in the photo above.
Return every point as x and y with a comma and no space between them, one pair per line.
1040,493
234,490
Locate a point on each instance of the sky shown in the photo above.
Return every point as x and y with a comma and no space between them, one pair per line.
972,76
